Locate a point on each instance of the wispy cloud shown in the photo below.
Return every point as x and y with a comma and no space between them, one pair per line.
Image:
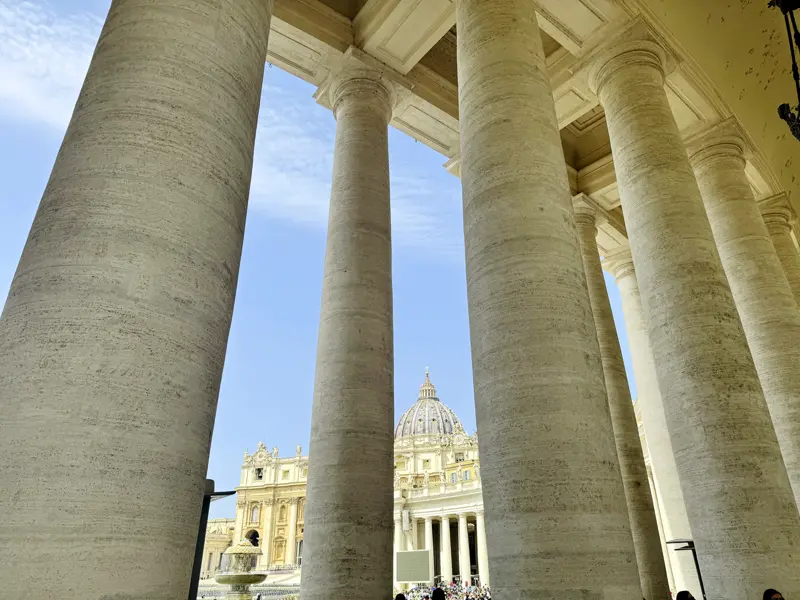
43,60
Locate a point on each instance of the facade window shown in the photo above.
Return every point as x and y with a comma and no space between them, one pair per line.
452,477
466,475
401,465
426,464
285,474
259,474
459,457
305,471
254,514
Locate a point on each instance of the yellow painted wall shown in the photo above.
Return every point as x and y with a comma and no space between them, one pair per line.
742,46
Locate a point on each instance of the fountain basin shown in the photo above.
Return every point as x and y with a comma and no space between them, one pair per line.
240,578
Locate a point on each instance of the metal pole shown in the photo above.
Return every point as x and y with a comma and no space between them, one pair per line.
699,575
201,540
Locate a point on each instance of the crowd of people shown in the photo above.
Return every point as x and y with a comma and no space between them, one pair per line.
453,591
456,591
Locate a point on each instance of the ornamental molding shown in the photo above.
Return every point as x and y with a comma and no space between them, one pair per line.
261,457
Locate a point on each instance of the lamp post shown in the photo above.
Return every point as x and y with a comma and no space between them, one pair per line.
690,547
785,111
208,497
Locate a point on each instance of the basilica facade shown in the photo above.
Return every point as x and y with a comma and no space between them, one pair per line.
438,503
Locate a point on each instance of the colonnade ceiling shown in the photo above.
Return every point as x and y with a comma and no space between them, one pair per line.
415,42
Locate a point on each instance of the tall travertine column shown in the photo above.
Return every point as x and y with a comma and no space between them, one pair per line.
464,570
764,299
480,538
644,527
662,459
429,545
113,337
348,533
539,393
291,537
446,550
779,216
740,504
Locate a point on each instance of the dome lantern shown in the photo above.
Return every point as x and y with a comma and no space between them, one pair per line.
428,415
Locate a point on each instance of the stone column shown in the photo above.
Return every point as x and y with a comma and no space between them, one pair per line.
266,540
644,527
659,519
348,533
398,546
411,541
764,299
238,527
779,216
725,447
662,459
429,546
446,551
113,337
483,558
540,401
291,538
464,569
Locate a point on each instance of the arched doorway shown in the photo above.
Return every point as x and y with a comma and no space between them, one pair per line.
252,535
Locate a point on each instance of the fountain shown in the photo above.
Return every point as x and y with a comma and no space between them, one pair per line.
239,576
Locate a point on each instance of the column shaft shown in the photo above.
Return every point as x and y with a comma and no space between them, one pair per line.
447,552
348,533
644,527
429,546
464,570
291,538
539,395
764,299
724,443
662,459
398,546
113,336
483,558
266,540
778,216
238,528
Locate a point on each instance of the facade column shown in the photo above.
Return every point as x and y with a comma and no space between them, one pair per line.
725,447
266,540
483,558
464,569
662,458
779,216
113,337
238,527
291,538
412,537
398,546
348,534
764,299
539,393
644,527
429,546
446,551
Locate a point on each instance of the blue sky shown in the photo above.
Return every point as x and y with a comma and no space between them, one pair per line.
45,48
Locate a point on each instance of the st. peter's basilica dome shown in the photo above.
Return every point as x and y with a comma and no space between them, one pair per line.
428,415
